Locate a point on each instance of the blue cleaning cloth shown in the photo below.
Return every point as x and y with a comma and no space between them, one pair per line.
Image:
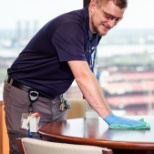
116,122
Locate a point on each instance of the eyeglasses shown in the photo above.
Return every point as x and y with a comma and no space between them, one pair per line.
109,16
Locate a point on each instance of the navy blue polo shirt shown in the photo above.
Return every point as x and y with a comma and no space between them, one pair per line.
42,64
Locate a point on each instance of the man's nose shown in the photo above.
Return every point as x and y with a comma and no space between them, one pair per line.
112,23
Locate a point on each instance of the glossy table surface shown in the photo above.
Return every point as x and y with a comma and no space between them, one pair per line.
96,132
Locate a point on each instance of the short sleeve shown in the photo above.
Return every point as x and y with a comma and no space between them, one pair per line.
68,40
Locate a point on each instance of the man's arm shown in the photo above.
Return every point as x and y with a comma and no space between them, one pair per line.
89,86
92,92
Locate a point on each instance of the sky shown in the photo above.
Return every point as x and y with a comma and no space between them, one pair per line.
139,13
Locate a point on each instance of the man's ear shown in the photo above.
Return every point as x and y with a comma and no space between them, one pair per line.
93,4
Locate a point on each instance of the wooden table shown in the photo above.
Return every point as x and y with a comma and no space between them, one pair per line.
96,132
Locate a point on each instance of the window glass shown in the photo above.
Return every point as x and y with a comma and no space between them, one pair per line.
124,58
125,65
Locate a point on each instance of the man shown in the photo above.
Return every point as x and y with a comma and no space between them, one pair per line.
59,53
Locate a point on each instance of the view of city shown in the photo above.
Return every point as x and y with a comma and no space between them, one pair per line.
125,60
124,69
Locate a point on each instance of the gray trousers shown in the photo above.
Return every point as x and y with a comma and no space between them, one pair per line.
16,102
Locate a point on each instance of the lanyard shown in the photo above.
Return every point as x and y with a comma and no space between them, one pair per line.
92,52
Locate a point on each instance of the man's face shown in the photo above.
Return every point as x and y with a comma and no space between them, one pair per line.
104,17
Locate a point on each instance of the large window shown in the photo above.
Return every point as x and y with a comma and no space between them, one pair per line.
125,56
125,62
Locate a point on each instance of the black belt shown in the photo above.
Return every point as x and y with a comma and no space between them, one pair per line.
21,86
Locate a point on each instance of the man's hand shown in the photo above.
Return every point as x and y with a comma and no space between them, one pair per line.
117,122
